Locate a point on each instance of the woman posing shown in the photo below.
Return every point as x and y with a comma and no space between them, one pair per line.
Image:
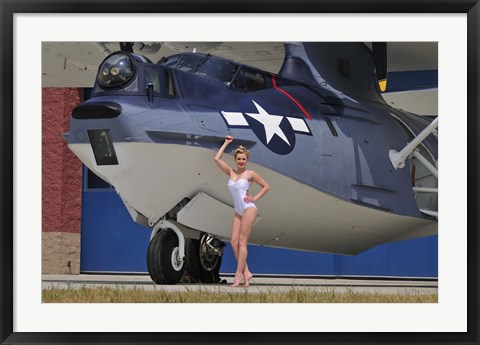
245,210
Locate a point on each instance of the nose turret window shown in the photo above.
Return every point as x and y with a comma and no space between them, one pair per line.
117,70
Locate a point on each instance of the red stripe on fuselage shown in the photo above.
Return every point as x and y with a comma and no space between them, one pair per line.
291,98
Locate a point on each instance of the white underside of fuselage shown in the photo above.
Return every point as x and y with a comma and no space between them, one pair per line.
153,178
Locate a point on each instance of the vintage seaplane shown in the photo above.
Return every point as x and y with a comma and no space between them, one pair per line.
347,172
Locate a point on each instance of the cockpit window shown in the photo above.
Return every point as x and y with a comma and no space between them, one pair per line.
189,63
169,61
223,71
201,64
250,80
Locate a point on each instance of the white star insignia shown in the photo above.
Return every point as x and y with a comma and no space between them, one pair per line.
270,122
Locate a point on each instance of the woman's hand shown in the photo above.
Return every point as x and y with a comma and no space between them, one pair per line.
248,198
218,157
265,187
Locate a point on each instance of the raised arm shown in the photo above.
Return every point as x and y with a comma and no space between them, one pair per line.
218,157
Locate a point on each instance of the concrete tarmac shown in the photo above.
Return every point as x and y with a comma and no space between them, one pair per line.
260,283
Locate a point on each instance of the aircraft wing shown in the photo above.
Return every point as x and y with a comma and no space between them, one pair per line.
412,82
75,64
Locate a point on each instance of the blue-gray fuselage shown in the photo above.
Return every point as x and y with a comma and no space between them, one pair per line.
329,138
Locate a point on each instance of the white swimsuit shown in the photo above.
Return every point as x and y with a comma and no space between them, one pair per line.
239,189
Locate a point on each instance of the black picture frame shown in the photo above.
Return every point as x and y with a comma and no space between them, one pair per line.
10,7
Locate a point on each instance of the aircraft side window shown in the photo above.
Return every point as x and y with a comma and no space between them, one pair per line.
331,127
254,81
343,68
153,76
170,83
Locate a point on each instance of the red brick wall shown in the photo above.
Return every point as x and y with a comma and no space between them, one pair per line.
61,169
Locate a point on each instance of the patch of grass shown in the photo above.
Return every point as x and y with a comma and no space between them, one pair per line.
296,295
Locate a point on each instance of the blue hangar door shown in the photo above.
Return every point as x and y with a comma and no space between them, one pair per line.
113,242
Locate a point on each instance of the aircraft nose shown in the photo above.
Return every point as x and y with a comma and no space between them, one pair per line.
97,110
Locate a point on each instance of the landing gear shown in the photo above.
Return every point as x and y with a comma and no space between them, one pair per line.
203,258
169,254
163,261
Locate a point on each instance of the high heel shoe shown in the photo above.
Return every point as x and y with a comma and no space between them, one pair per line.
246,282
236,281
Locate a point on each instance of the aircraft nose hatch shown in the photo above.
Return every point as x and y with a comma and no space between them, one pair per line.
97,110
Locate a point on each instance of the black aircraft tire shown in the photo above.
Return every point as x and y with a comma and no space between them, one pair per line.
159,258
191,259
196,272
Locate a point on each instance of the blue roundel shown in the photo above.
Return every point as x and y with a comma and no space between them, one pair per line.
269,124
278,137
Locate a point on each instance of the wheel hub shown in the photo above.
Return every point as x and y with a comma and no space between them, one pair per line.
209,254
176,264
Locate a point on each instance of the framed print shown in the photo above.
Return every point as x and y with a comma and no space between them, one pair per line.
28,26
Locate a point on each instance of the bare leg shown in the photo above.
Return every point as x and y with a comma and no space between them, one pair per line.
235,240
246,226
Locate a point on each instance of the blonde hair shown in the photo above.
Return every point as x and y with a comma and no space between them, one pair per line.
241,149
